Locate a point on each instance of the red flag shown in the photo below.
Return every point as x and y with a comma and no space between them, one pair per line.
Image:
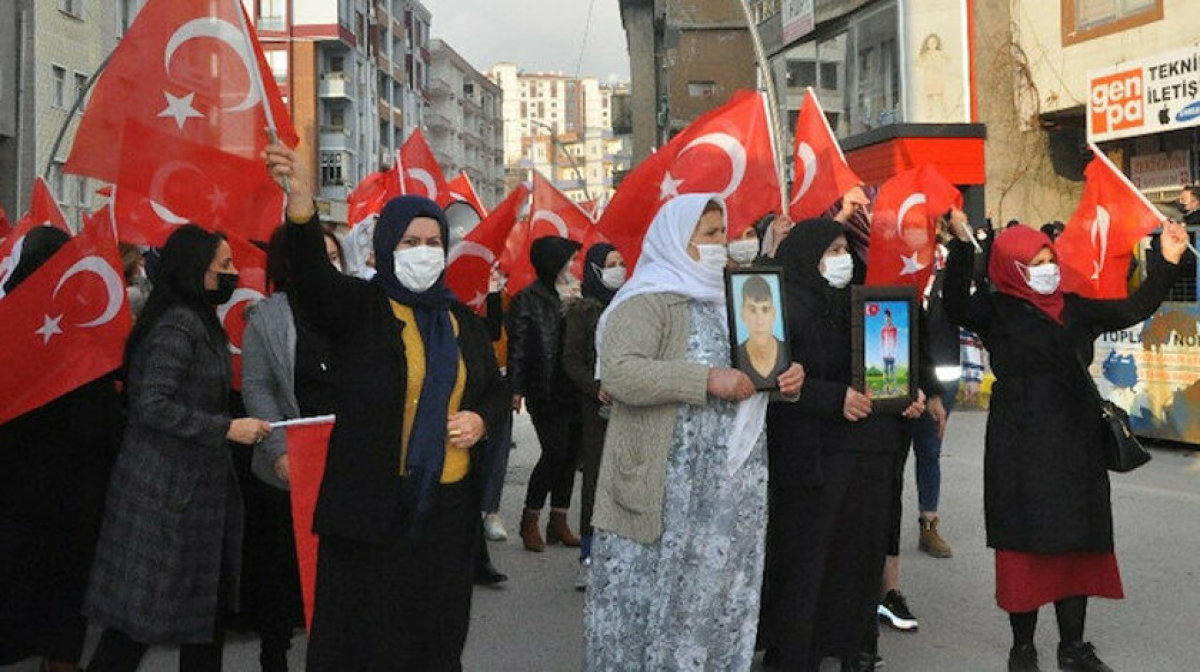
43,211
461,189
5,225
369,197
727,151
141,221
553,214
822,174
903,228
307,446
515,260
65,325
422,174
471,260
1097,244
251,264
178,115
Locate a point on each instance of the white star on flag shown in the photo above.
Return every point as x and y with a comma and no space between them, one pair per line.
180,109
669,188
49,328
217,199
911,265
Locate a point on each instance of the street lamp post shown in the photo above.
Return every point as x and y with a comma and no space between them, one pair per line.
579,174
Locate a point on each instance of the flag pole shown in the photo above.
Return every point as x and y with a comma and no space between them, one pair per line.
303,422
1142,197
259,87
764,68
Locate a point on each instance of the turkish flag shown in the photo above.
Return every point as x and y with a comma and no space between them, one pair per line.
43,211
822,174
179,116
374,192
65,325
251,264
307,446
461,189
422,174
1097,244
553,214
515,260
470,263
727,151
140,220
904,226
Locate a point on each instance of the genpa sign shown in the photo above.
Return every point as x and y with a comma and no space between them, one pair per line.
1150,95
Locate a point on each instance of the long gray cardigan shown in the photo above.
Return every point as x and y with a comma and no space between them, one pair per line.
269,378
174,511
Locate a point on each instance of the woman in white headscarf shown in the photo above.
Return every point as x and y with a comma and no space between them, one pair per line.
681,501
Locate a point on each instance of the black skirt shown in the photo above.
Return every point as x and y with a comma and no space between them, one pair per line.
399,606
825,557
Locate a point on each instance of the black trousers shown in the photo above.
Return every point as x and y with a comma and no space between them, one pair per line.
277,608
117,652
594,428
560,436
399,605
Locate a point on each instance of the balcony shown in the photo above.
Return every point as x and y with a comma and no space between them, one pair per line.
437,123
335,138
335,85
385,111
470,137
397,117
440,89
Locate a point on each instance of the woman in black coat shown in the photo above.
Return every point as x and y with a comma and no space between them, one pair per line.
417,389
1046,490
535,370
832,473
54,467
168,557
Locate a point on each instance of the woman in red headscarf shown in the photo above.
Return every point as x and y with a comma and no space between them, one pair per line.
1046,490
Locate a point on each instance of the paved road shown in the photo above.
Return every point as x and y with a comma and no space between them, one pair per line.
533,623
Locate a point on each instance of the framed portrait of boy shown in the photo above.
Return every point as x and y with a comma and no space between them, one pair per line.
758,336
884,330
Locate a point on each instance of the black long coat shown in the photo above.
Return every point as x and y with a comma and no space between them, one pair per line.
173,501
1046,486
361,491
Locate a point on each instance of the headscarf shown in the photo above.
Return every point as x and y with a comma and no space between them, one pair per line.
1012,251
665,267
548,256
36,248
593,267
427,441
800,256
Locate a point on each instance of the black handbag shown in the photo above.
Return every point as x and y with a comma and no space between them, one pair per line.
1122,449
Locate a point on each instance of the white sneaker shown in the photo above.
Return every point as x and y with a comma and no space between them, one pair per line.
493,528
585,573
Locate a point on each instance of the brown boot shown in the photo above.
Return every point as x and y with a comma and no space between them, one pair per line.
932,542
558,531
529,531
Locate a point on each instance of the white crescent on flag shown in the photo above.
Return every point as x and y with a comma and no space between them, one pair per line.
805,153
732,148
240,295
1100,227
426,179
553,218
113,283
222,31
909,203
468,248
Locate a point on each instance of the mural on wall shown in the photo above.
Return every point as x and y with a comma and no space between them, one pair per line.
937,56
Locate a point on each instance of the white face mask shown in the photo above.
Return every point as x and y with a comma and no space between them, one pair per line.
418,268
613,277
567,285
743,251
839,270
1044,279
713,256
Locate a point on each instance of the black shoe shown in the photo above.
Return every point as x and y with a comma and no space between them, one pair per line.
894,611
1080,657
486,574
863,662
1023,658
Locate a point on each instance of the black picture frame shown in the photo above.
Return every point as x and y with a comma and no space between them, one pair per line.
892,385
739,329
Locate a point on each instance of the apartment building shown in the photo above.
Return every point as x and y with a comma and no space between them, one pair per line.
465,123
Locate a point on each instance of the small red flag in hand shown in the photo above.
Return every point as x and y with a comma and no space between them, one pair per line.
822,174
904,229
65,325
728,151
422,174
470,262
460,189
43,211
307,446
1096,246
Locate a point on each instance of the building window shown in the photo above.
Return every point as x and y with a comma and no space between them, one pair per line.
58,79
337,64
56,181
331,169
702,89
272,14
1088,19
81,88
126,12
81,191
71,7
278,61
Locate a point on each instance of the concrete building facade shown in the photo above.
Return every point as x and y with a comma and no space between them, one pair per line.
465,123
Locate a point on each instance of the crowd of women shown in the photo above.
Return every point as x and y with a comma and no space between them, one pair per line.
716,520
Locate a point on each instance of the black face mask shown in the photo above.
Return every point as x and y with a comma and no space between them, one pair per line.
226,283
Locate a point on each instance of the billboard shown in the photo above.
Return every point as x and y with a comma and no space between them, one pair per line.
1144,96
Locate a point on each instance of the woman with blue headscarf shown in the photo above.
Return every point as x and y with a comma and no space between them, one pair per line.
417,389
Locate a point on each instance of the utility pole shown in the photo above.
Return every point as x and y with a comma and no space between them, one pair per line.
555,145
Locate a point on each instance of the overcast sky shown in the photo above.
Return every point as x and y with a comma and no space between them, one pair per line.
535,34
